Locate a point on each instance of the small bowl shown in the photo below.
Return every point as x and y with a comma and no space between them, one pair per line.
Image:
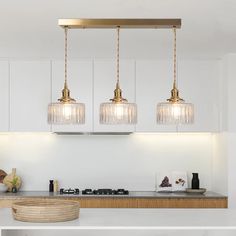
3,188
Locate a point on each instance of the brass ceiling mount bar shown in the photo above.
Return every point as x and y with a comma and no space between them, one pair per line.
122,23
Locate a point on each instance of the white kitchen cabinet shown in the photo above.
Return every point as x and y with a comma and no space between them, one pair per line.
153,85
80,83
4,96
30,94
104,85
198,83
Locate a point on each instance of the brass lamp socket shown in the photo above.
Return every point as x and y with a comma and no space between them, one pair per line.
175,95
66,95
118,95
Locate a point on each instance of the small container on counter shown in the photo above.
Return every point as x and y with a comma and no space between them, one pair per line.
55,186
51,186
195,181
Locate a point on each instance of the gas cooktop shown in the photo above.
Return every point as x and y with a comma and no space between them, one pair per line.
105,191
102,191
69,191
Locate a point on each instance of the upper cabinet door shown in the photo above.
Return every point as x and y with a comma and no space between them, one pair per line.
30,94
199,84
104,85
80,83
154,81
4,95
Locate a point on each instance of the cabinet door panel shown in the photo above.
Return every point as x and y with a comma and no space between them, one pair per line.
104,85
199,84
30,94
153,85
4,96
80,82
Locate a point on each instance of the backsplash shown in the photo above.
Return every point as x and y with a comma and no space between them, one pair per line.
99,161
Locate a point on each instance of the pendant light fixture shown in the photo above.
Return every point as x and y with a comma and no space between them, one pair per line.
118,111
175,110
67,110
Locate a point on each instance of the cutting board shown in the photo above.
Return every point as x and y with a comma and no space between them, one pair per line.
9,178
3,174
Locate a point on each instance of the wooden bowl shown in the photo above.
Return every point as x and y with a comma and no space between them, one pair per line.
45,210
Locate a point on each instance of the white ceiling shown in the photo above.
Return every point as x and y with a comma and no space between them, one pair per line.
29,28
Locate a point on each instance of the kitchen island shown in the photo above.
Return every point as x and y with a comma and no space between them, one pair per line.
134,219
135,199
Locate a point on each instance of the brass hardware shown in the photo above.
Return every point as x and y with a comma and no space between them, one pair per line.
175,92
118,92
118,95
123,23
66,95
66,92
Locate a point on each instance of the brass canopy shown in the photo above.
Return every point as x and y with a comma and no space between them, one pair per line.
118,95
175,95
123,23
66,95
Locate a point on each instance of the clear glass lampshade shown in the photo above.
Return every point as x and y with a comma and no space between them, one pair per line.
66,113
118,113
175,113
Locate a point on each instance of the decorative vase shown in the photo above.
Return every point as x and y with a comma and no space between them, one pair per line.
14,189
195,181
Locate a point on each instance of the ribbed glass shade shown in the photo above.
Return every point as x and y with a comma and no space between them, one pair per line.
175,113
118,113
66,113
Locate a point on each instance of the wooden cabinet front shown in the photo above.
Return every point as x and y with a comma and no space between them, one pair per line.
139,202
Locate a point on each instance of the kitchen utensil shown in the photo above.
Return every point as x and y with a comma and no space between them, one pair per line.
12,180
45,210
196,191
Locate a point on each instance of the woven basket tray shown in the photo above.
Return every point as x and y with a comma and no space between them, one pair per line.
45,211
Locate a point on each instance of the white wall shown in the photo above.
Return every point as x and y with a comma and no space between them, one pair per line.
228,120
220,163
105,161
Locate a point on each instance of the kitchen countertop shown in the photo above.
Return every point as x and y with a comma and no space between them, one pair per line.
134,219
132,194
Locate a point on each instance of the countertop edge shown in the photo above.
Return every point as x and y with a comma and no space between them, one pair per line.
133,194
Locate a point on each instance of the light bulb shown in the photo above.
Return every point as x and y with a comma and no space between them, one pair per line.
176,111
67,111
119,111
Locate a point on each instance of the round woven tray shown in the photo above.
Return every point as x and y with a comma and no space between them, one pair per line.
45,211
